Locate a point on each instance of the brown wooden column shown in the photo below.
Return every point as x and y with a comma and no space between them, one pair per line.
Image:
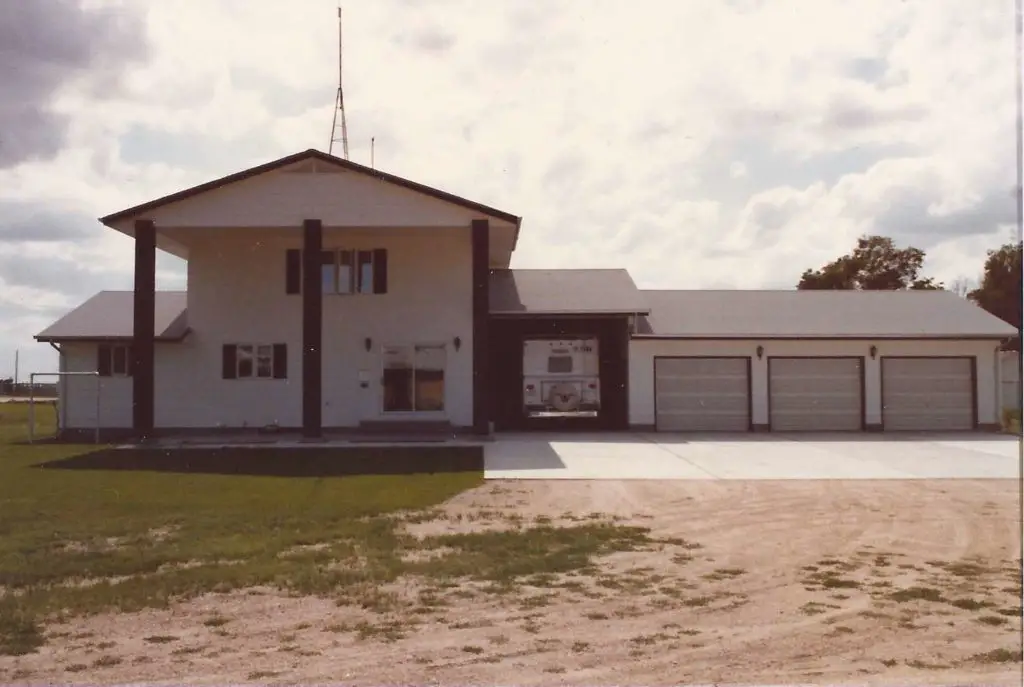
143,375
481,244
312,329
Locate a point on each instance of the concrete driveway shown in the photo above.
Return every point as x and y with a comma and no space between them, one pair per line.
752,456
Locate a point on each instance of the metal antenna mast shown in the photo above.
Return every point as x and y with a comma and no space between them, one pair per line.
339,107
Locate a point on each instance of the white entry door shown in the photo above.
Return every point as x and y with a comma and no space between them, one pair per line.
413,379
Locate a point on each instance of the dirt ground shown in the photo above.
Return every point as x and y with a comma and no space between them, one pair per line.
778,582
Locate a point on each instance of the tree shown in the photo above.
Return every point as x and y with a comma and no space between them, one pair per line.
876,264
962,286
1000,289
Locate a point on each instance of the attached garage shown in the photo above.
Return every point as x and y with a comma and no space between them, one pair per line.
928,393
816,394
695,394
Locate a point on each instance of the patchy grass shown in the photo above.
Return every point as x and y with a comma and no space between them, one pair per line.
970,604
20,633
160,639
917,594
106,662
994,620
261,674
216,621
999,656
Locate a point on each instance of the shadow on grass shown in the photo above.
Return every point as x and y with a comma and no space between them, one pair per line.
281,462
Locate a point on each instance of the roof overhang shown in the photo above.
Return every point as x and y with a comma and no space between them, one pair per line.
171,219
819,337
109,339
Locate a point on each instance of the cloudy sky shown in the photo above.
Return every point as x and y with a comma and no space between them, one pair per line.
699,143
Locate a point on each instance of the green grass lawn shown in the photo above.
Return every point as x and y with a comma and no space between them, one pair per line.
82,541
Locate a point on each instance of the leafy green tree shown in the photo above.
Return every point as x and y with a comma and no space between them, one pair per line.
876,264
1000,289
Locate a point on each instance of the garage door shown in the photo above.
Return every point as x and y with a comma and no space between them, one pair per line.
927,393
815,394
702,394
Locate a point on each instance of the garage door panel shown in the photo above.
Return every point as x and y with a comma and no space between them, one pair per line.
702,394
816,394
927,394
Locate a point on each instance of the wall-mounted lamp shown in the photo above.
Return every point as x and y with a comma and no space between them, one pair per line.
367,344
874,352
457,342
760,352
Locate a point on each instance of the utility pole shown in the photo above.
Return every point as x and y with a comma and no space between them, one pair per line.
16,367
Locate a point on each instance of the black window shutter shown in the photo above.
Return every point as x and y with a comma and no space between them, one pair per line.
103,360
280,361
292,271
228,362
130,359
380,270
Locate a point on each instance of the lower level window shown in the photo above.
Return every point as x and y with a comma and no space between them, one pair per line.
255,361
114,361
414,378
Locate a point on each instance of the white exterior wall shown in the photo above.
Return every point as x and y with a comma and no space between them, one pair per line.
236,294
643,351
78,393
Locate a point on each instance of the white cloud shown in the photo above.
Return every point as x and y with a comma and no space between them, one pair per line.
697,143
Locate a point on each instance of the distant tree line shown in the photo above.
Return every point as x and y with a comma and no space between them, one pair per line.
9,388
876,263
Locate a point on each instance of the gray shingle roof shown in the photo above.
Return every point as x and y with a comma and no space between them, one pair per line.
564,291
817,314
110,315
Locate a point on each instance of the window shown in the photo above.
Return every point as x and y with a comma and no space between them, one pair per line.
560,364
114,360
255,361
365,274
342,271
414,378
328,271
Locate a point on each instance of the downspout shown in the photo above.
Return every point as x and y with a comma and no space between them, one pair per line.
999,385
62,390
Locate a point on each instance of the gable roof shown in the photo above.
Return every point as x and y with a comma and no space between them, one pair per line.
817,314
110,316
312,153
568,292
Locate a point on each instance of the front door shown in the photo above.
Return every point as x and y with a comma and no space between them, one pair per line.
413,380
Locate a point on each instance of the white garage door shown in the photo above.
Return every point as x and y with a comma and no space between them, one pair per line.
702,394
815,394
927,393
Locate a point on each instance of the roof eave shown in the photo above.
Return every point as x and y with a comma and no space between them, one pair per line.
567,313
829,337
184,194
42,338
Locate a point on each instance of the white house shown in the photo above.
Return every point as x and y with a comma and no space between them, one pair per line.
323,295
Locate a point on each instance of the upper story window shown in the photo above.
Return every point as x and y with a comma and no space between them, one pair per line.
342,271
114,360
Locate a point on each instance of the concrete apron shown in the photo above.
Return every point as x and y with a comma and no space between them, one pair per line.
753,456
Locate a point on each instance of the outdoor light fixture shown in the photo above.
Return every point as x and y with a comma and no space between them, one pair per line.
760,352
874,352
457,342
367,344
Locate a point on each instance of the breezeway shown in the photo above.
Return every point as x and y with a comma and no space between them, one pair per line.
775,456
